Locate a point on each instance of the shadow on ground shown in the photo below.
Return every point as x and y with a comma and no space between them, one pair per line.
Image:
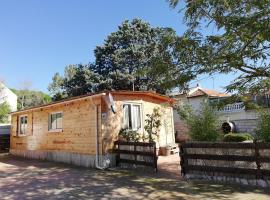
33,179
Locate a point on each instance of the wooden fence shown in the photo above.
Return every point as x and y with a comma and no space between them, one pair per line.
243,158
137,153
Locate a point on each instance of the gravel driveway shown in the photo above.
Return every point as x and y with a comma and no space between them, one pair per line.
33,179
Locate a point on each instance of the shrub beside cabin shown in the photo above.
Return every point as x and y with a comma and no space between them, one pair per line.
82,130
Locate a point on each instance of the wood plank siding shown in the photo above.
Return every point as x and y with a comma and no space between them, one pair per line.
80,124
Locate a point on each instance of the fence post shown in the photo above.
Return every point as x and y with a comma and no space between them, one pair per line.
155,157
118,153
183,162
258,162
135,152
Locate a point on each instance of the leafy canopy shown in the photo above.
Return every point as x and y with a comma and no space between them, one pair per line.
77,80
140,56
229,36
137,56
28,98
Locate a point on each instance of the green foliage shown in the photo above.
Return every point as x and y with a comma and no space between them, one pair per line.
229,36
237,137
152,124
129,135
263,127
77,80
137,56
4,112
202,124
29,98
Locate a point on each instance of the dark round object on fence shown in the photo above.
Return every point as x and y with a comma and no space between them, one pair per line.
228,127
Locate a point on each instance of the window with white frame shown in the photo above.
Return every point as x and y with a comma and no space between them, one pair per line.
132,116
56,121
23,125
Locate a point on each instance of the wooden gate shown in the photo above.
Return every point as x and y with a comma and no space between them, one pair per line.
137,153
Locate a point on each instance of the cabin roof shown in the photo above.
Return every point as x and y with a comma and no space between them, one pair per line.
163,98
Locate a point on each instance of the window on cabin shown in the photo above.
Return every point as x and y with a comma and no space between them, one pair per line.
23,125
56,121
131,116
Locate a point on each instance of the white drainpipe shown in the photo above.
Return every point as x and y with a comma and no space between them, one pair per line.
97,134
97,141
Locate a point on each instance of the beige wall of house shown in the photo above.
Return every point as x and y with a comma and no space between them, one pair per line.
112,123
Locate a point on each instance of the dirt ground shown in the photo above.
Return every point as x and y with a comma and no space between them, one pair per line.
32,179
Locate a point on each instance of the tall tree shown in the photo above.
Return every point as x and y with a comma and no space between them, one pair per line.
77,80
135,57
28,98
140,57
239,43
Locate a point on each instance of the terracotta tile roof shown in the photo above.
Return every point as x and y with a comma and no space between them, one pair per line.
207,92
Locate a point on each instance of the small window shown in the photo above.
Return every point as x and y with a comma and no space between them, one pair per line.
23,125
56,121
132,116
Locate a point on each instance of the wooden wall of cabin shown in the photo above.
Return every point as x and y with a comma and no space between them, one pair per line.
79,129
112,123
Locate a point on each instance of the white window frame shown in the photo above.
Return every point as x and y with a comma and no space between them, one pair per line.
141,116
20,128
49,122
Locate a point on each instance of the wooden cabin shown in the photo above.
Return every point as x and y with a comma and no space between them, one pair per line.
82,130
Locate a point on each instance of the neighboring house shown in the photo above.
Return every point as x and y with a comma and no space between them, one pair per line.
244,120
6,95
195,97
82,130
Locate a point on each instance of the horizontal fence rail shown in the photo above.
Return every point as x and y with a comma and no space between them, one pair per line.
235,158
137,153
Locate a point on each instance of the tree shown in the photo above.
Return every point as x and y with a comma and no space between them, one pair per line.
238,40
77,80
135,57
140,57
202,124
4,112
28,98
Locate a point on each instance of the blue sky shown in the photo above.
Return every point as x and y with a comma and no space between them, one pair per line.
39,38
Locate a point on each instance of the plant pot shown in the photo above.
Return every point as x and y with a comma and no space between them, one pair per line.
167,151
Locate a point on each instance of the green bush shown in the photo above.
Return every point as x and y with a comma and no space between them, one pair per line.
129,135
263,128
152,125
4,112
237,137
203,124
